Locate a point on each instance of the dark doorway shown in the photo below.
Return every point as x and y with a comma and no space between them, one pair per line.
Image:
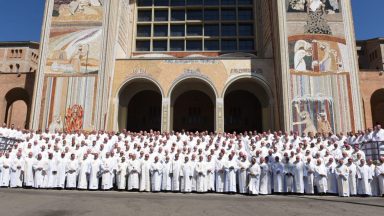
377,106
193,111
242,111
144,112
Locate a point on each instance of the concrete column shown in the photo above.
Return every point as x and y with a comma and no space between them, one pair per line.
219,115
165,115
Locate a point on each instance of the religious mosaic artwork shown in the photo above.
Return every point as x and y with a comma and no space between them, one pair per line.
75,37
74,118
320,84
327,6
316,13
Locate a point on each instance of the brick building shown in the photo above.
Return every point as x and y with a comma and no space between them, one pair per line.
18,66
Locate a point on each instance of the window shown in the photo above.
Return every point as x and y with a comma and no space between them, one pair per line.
194,45
10,68
195,14
144,2
177,2
178,15
160,31
177,45
245,14
246,44
211,14
211,45
177,30
144,31
228,45
244,2
228,30
245,29
143,45
194,30
161,15
194,2
212,30
228,14
160,45
211,2
228,2
161,2
144,16
17,68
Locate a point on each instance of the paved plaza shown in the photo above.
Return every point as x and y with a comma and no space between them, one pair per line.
62,203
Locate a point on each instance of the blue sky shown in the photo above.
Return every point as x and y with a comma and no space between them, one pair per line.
22,19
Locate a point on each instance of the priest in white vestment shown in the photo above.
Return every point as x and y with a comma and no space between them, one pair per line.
201,173
166,182
352,177
29,180
230,167
364,178
186,174
84,170
156,170
5,170
71,170
122,171
17,170
176,173
220,174
298,175
379,171
243,165
145,181
309,171
94,172
40,169
320,179
278,176
254,177
61,171
264,177
342,174
331,177
210,179
133,173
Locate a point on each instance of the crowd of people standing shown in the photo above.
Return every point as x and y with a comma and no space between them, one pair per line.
246,163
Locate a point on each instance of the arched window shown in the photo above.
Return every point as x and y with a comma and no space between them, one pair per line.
17,68
12,53
10,68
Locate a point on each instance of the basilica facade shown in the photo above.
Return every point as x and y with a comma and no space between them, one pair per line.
214,65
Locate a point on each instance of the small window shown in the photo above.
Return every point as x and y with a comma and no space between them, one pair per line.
194,45
212,2
161,15
228,2
143,45
195,14
161,2
246,45
244,2
228,45
10,68
144,31
194,2
160,31
211,14
141,3
212,30
178,15
228,30
194,30
246,30
177,30
160,45
210,45
245,14
144,15
228,14
177,45
177,2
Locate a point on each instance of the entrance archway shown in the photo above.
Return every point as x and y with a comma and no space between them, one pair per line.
193,104
247,106
377,106
140,103
17,110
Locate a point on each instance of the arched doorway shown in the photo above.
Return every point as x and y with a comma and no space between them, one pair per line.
193,106
17,110
140,102
377,106
247,106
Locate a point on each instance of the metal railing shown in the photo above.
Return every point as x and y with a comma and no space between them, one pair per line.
373,150
7,143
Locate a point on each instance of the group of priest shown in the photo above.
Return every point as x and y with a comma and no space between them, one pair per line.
249,163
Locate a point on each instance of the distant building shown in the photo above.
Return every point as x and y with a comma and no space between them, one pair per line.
371,63
18,66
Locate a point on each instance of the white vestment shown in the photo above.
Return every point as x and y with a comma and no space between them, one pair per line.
52,173
41,177
321,178
298,177
106,174
210,178
72,170
17,170
342,174
352,179
166,182
201,172
220,176
254,179
331,178
380,177
5,172
278,177
61,172
364,178
242,176
29,180
156,170
264,179
145,182
176,175
122,170
186,177
133,175
94,174
83,177
230,168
